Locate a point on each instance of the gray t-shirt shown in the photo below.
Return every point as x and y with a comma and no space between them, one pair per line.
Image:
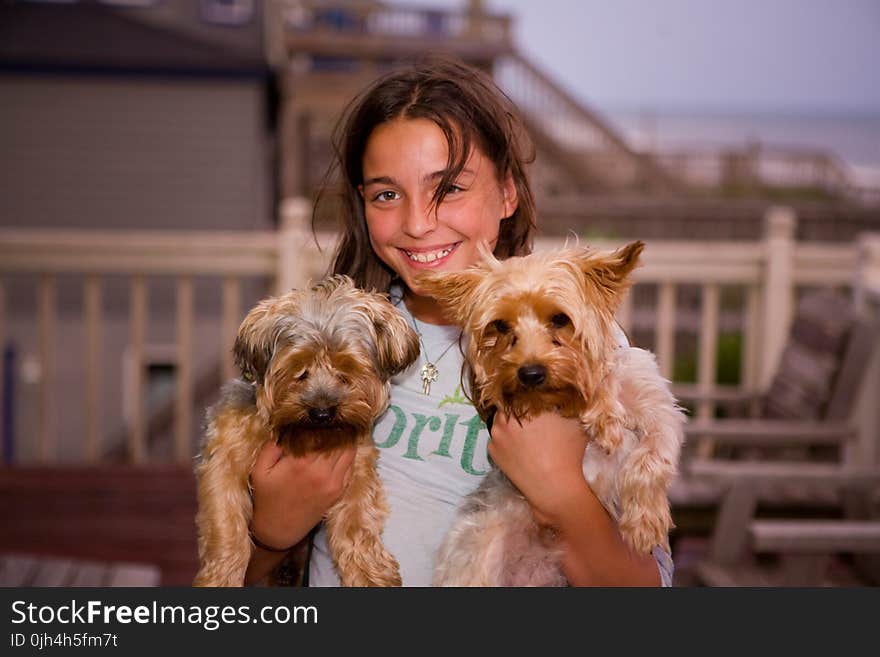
433,452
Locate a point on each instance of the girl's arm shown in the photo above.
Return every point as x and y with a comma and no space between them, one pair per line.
291,496
543,458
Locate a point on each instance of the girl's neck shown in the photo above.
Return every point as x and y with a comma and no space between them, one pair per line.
424,309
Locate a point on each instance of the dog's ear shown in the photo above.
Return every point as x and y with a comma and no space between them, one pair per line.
398,343
611,272
259,333
454,291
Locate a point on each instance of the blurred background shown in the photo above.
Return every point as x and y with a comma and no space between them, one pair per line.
159,162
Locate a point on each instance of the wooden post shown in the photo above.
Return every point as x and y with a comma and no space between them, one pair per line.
867,282
93,319
231,320
666,329
183,414
137,339
867,299
46,432
292,244
779,228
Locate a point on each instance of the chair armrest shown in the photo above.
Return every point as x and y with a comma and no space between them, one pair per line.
757,473
770,433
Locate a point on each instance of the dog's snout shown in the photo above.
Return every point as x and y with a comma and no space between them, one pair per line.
532,375
322,415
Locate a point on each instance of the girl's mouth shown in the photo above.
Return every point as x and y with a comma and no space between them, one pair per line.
430,258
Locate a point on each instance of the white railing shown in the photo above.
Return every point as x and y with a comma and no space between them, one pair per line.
767,273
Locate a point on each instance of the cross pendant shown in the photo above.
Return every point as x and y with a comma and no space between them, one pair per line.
429,374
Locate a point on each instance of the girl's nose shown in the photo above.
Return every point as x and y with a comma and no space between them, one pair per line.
419,220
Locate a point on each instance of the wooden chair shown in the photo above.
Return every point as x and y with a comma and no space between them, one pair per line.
791,458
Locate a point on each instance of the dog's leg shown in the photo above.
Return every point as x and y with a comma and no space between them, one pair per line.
605,419
225,508
355,524
647,472
494,541
472,553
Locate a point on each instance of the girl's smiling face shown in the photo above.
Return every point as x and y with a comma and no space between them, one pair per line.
403,163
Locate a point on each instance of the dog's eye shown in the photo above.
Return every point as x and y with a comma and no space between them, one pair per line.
344,380
501,326
560,320
303,376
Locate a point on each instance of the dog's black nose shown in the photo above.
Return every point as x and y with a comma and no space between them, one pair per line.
322,415
532,375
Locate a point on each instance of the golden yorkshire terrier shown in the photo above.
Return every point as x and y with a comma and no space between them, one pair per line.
541,336
315,366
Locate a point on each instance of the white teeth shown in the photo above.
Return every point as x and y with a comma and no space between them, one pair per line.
428,257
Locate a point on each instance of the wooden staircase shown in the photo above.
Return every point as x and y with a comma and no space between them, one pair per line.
320,65
574,137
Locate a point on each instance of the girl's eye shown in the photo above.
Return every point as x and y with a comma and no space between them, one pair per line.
453,189
385,196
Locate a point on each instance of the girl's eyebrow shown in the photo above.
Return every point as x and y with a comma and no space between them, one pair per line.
380,180
431,177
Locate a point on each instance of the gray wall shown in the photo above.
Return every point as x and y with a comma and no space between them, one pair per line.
144,152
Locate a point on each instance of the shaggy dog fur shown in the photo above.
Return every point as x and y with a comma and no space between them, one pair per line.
540,336
316,366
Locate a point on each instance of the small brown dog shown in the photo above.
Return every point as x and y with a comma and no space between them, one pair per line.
541,336
316,366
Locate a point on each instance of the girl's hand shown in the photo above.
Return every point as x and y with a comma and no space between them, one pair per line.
292,494
543,457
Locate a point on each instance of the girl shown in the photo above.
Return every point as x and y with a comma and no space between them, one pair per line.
432,159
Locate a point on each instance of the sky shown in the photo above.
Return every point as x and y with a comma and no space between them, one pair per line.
779,56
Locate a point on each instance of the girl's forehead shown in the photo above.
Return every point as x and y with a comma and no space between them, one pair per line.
413,146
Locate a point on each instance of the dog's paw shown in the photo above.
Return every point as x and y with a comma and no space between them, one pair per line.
643,530
369,568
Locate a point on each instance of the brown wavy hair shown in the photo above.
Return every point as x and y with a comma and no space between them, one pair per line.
471,111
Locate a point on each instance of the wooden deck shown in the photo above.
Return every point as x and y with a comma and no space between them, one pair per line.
29,570
111,521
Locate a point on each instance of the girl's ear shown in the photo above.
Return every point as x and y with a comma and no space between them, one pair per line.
511,198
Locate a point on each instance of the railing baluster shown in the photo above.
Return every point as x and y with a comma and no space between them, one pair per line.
184,398
751,342
708,360
231,320
46,452
137,331
93,367
666,328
